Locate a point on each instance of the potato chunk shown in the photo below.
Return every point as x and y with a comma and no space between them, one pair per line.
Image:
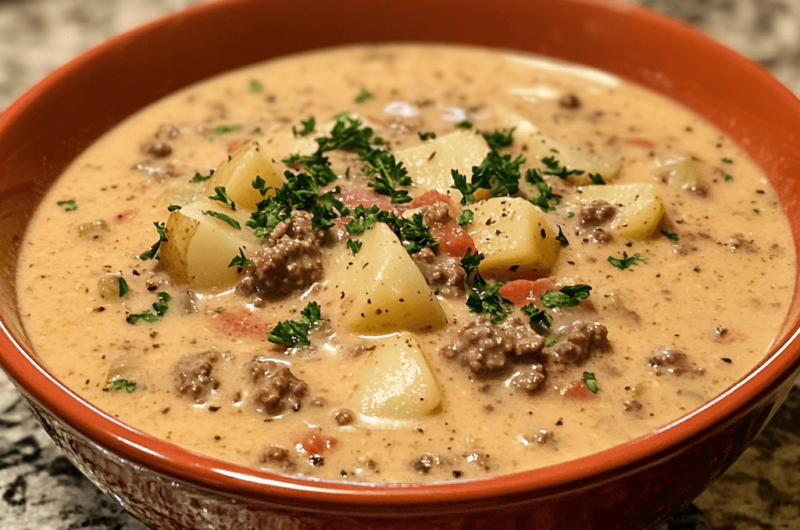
430,163
640,207
383,288
199,247
238,173
397,383
515,238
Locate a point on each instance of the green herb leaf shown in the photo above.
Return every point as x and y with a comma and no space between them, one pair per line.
201,178
499,139
68,206
154,250
470,261
222,196
354,245
427,136
537,316
123,384
597,178
728,178
295,333
172,207
555,168
696,269
485,298
219,310
159,308
363,95
547,200
240,261
464,125
625,261
222,217
308,127
672,236
561,238
256,86
225,129
123,287
591,382
260,185
570,215
465,218
568,296
727,160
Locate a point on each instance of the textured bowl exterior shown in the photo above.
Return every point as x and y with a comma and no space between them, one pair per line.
627,487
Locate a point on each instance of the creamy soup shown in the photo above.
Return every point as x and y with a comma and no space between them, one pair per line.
406,263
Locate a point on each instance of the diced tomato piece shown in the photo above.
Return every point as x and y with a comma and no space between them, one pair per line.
577,391
365,197
644,143
315,443
374,120
523,292
239,323
729,337
233,145
307,104
124,217
431,197
454,240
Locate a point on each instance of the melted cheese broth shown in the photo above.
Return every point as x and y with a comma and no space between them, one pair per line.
682,295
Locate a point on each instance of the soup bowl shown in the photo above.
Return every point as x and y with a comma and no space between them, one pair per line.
631,486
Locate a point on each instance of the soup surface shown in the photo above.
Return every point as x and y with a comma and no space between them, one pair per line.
474,263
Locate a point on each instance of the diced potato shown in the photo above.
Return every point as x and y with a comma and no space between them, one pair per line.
199,247
640,207
430,163
238,173
515,238
397,383
383,289
537,145
682,172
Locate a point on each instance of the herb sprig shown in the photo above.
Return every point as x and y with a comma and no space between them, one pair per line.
159,309
295,333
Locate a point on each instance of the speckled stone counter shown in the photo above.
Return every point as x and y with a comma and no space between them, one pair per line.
41,490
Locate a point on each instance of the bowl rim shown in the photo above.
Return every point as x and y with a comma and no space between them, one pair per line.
169,460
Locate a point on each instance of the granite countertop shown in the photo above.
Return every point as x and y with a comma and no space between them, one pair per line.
40,489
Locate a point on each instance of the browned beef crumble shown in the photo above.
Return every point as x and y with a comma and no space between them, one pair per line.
278,457
277,389
156,149
577,342
193,375
528,379
669,360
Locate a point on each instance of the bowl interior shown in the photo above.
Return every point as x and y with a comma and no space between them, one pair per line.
50,125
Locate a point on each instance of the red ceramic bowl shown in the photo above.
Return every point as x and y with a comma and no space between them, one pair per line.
627,487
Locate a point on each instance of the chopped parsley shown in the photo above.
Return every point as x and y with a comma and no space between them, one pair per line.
260,185
485,298
172,207
555,168
256,86
591,382
295,333
255,130
499,139
625,261
159,308
465,218
696,269
561,238
568,296
153,251
219,309
498,173
201,178
728,178
470,261
68,206
547,200
224,129
123,384
464,125
413,233
123,287
570,215
727,160
537,316
308,127
363,95
390,174
427,136
672,236
225,218
354,245
240,261
222,196
596,178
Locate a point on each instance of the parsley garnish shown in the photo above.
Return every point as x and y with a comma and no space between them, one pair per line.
570,215
561,238
222,217
68,206
225,129
159,308
727,160
354,245
470,261
219,309
485,298
555,168
222,196
123,384
498,173
597,178
498,138
413,233
625,261
465,218
363,95
390,173
308,127
464,125
538,316
546,195
256,86
123,287
696,269
172,207
591,382
255,130
568,296
672,236
728,178
153,251
427,136
260,185
201,178
295,333
240,261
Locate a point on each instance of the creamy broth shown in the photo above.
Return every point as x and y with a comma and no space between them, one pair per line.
692,309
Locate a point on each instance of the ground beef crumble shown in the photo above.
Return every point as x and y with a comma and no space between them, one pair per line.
193,375
277,389
577,342
669,360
